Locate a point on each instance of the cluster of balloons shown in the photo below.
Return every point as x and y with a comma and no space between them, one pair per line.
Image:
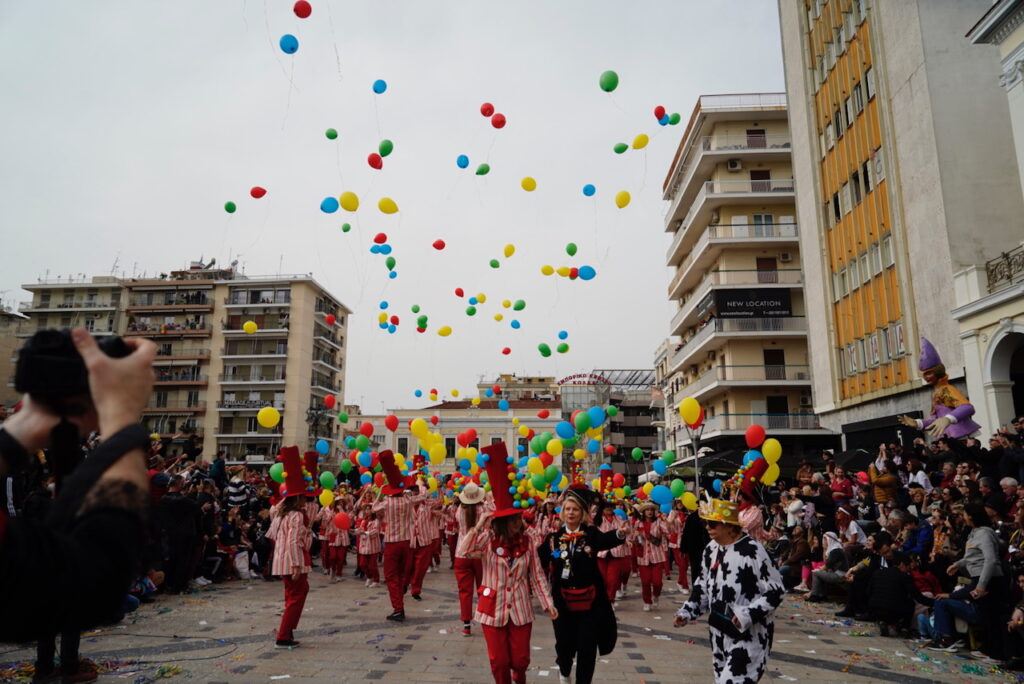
497,118
508,251
380,246
376,159
760,463
572,273
256,192
664,118
389,323
691,412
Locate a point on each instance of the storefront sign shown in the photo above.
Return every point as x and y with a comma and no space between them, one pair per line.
753,303
584,379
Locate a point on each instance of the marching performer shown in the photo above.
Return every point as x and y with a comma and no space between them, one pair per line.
292,539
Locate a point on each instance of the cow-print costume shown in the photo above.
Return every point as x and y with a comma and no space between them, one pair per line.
742,575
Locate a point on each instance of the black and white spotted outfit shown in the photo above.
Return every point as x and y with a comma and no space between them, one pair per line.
743,577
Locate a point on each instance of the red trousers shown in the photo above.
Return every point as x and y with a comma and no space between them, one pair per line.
469,572
650,579
508,649
436,552
368,564
398,563
615,572
333,558
452,540
294,599
682,563
420,563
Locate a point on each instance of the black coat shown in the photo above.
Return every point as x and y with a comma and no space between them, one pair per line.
585,573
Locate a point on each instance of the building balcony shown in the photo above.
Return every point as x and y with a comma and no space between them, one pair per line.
239,302
329,339
719,330
176,407
237,354
165,379
230,379
228,330
705,247
713,194
164,331
1005,270
328,365
248,435
324,387
247,404
43,307
721,378
735,424
688,311
184,353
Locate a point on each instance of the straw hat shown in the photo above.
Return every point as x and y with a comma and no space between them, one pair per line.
472,493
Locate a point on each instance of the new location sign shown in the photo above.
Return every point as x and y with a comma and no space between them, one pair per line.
753,303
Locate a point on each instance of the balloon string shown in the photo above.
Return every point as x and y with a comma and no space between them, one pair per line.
273,48
334,41
376,116
288,100
244,20
263,228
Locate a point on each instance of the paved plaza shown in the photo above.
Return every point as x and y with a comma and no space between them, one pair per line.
224,633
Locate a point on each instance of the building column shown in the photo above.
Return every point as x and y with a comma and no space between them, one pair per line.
1000,396
977,382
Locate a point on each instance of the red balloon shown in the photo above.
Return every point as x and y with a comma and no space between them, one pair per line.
609,449
354,457
342,521
421,330
375,160
462,439
391,422
574,273
546,458
496,389
700,419
433,390
459,292
330,319
498,121
531,434
366,428
378,479
659,112
302,9
755,436
380,238
433,420
618,480
506,351
257,192
543,413
329,401
471,433
486,109
439,245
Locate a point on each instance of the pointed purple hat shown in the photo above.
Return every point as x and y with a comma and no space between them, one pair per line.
929,357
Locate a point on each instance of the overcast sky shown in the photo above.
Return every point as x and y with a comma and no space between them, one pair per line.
126,126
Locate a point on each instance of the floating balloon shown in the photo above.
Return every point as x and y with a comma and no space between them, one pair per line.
302,9
503,404
570,249
330,319
609,81
250,327
562,348
331,133
659,467
659,112
322,446
597,416
674,119
487,109
342,417
329,401
277,472
589,190
498,120
289,44
444,331
689,410
387,205
230,207
544,349
375,161
620,148
380,85
519,305
268,417
587,273
717,485
640,141
438,245
257,192
386,147
515,324
462,161
663,121
770,475
506,351
509,250
345,227
621,199
547,270
529,184
349,201
494,263
637,454
754,436
483,169
772,450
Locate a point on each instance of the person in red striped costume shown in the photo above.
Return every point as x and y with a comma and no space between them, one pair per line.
425,532
652,536
396,510
292,539
469,572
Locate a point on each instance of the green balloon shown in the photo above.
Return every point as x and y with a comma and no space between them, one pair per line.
674,119
677,487
342,417
415,308
538,482
582,422
362,442
563,347
346,467
230,207
519,305
536,446
277,472
612,410
421,321
331,133
386,147
609,81
390,263
495,263
545,437
637,453
668,456
470,310
570,249
544,349
483,169
345,227
620,148
327,480
628,490
551,473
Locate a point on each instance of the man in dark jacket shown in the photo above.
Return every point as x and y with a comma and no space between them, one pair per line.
858,578
181,520
891,595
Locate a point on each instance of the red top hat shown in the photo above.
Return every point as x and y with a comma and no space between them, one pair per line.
606,482
751,477
498,469
295,472
311,460
396,483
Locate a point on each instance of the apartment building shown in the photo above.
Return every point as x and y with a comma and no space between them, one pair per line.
906,175
10,324
212,376
739,333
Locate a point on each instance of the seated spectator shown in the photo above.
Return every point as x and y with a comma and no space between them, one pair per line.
917,503
799,553
841,486
1010,495
948,474
833,572
917,475
991,496
858,577
917,534
892,593
847,529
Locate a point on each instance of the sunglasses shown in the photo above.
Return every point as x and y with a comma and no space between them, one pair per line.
712,524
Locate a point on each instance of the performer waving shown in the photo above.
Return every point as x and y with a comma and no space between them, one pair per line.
292,539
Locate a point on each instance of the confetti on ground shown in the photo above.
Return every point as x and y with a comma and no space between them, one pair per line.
543,673
280,676
162,672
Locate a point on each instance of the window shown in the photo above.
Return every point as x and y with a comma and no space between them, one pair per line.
862,353
844,287
830,55
879,166
822,73
839,37
901,347
837,210
886,351
862,9
873,349
449,447
869,82
865,270
821,144
836,295
858,98
90,324
160,399
844,198
855,187
851,360
403,445
876,259
251,425
192,399
848,109
837,121
842,362
830,136
853,270
865,174
887,256
495,440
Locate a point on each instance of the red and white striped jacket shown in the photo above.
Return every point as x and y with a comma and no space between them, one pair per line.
620,551
509,584
675,522
329,532
649,553
463,528
291,539
396,514
368,532
425,529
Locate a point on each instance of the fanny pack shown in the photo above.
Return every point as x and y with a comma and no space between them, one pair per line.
721,619
578,600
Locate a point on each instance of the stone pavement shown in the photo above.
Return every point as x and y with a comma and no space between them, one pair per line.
224,633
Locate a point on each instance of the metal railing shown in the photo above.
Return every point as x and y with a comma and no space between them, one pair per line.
169,378
230,377
1005,269
268,351
770,421
259,301
726,187
733,325
75,304
249,404
742,100
156,406
183,352
268,326
744,142
178,299
748,373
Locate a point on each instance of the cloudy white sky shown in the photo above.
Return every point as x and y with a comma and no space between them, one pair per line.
126,126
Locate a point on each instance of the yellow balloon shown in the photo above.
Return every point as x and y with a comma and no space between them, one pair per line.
771,449
433,397
689,410
474,468
387,205
647,488
529,184
547,270
506,303
770,475
460,453
621,199
535,466
509,251
579,454
444,331
382,317
640,141
455,392
499,317
268,417
515,421
619,493
349,201
250,327
564,271
326,498
437,454
471,453
596,484
475,401
564,482
419,428
399,461
480,296
555,447
689,501
523,430
432,484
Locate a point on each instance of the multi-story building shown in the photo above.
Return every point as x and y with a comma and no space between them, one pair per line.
737,282
212,376
901,155
10,325
516,387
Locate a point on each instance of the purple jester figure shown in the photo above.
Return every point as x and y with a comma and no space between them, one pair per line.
951,412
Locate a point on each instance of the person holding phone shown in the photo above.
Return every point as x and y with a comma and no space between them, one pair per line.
740,589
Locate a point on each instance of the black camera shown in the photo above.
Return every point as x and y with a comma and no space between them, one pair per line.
51,369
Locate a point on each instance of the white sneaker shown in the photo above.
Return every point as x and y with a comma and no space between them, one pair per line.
202,581
368,583
647,607
620,594
655,603
682,589
562,679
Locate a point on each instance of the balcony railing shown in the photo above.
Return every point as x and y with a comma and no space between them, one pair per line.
268,326
249,404
168,378
770,421
259,301
230,377
175,405
267,351
1005,269
782,232
735,325
167,329
739,186
748,373
184,352
75,304
728,143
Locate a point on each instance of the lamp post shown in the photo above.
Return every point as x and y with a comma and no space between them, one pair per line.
315,414
695,441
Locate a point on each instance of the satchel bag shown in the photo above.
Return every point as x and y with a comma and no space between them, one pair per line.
721,619
578,600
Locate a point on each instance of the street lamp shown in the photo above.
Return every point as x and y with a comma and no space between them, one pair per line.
315,414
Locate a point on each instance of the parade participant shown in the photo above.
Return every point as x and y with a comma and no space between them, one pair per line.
614,563
585,622
468,571
677,520
951,411
451,531
292,539
511,570
397,512
368,545
334,542
651,536
740,587
425,532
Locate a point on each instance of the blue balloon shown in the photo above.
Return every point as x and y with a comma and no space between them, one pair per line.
589,190
605,466
661,495
374,249
350,442
365,478
322,446
418,393
503,404
393,275
384,304
392,328
565,430
660,467
620,514
751,456
472,301
558,509
515,324
289,44
666,508
593,446
587,273
519,447
464,464
664,120
380,85
597,416
488,392
329,205
384,249
717,485
522,462
562,335
462,161
481,460
382,326
364,459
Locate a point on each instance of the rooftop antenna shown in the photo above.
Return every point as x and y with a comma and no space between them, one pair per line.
280,261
